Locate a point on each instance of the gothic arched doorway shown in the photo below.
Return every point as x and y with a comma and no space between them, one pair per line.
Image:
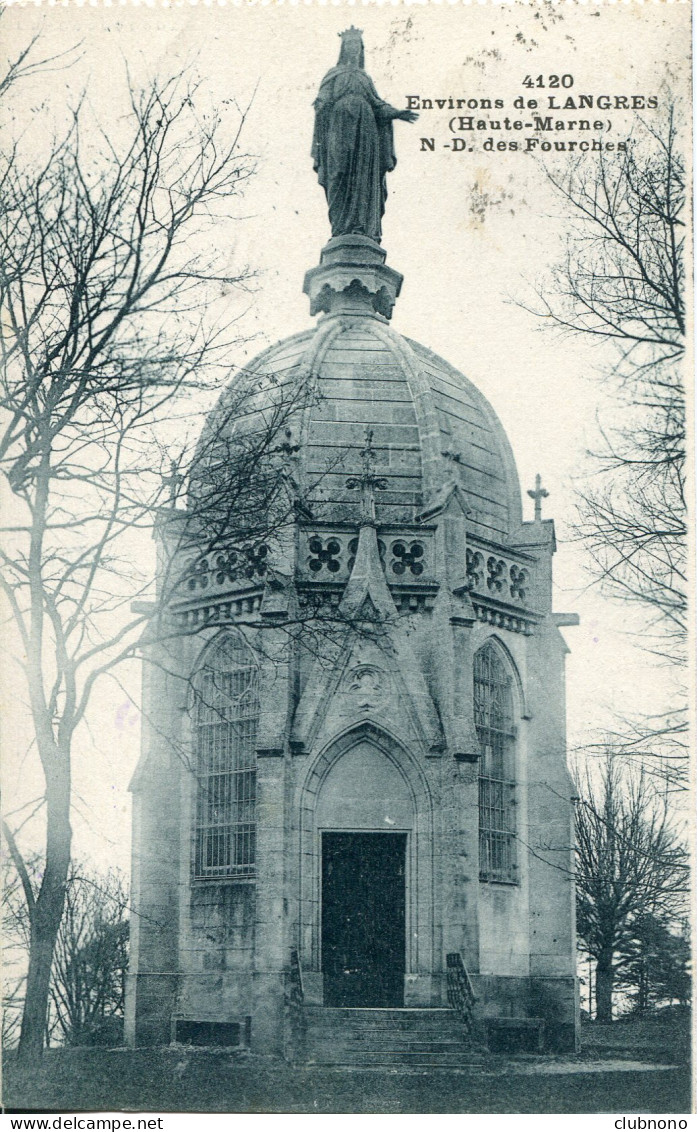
366,874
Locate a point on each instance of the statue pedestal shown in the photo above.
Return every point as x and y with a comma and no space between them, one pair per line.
351,277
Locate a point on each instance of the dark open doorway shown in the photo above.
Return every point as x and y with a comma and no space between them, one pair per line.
363,935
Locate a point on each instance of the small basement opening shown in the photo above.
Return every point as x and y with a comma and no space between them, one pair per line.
191,1033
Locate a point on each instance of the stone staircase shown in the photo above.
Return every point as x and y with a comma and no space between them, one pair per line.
434,1038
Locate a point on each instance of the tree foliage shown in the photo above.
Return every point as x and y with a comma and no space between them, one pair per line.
657,970
630,865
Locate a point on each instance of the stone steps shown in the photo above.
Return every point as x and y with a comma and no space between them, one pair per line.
368,1013
375,1059
430,1037
431,1032
374,1017
402,1037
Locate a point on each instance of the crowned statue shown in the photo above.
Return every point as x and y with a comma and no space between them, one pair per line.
353,144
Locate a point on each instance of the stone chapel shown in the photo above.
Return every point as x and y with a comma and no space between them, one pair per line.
363,852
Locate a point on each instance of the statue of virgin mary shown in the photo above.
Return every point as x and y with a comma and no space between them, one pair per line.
353,145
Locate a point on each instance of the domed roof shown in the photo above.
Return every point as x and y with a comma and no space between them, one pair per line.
430,425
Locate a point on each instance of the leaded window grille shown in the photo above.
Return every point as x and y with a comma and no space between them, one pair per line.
493,717
225,724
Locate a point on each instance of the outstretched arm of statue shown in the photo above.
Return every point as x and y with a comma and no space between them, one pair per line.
388,113
383,109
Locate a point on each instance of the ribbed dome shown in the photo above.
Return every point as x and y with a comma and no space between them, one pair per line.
430,424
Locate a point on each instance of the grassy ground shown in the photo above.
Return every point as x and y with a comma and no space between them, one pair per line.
181,1080
661,1037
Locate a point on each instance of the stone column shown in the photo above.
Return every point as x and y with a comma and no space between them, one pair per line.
451,651
550,835
153,974
269,922
460,854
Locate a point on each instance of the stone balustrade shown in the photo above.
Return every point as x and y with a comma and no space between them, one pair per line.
225,569
500,582
496,574
328,555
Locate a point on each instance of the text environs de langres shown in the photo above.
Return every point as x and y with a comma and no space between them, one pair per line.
538,123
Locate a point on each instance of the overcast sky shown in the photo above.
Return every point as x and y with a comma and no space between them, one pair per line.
473,234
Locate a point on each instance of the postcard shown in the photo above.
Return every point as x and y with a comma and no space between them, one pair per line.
347,503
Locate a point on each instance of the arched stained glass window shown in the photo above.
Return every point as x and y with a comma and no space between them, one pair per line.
226,717
493,717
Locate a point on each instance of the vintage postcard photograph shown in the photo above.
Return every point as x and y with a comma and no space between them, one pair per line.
347,502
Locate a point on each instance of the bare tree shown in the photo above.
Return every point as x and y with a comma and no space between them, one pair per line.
89,967
111,353
103,338
15,947
88,980
621,285
26,65
630,863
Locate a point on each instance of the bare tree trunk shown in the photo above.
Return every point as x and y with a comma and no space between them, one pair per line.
48,908
604,982
644,986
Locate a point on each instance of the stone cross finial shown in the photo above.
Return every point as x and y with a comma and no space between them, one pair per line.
287,445
173,481
538,495
368,482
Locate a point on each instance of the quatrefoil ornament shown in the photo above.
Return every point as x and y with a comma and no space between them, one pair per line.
475,568
198,576
496,569
324,557
407,557
519,580
224,568
256,561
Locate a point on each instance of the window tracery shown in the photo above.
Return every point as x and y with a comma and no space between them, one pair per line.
493,717
226,717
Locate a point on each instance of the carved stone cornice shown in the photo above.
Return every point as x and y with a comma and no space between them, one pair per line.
504,617
352,278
